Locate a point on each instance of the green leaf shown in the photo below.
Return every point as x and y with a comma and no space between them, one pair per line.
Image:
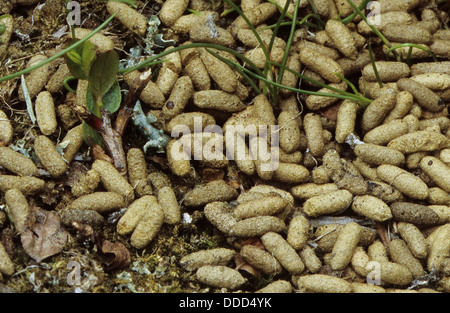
91,136
80,59
111,100
103,73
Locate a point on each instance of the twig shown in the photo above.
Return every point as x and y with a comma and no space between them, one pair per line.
136,88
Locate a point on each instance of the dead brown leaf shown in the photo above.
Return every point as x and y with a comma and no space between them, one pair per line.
116,255
43,235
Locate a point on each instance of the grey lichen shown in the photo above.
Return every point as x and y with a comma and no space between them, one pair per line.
156,137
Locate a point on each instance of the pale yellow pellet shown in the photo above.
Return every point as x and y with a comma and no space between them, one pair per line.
216,256
437,170
17,163
45,113
283,252
414,238
328,203
298,232
18,208
113,181
320,283
404,181
372,207
345,245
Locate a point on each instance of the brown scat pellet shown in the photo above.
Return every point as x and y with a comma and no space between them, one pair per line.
26,184
8,23
283,252
430,67
151,94
321,64
401,254
135,211
216,256
113,181
86,184
129,17
298,232
313,130
168,201
198,73
148,226
172,10
49,156
437,170
269,205
257,226
190,119
101,201
178,159
443,211
345,245
359,261
438,196
366,288
6,130
328,203
200,31
45,113
425,97
220,276
439,247
36,79
308,190
289,134
290,173
217,190
383,134
377,110
17,163
18,208
387,71
218,100
403,105
394,273
414,213
309,257
179,97
407,33
103,43
289,78
55,83
404,181
219,71
257,15
261,259
371,207
278,286
89,217
137,172
73,141
342,38
220,214
377,155
346,119
6,264
320,283
420,140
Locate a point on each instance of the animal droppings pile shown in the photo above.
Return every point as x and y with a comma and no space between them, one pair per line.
261,155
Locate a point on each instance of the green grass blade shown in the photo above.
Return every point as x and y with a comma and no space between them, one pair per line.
374,66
